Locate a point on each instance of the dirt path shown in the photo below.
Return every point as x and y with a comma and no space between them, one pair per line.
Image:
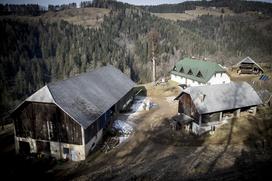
155,152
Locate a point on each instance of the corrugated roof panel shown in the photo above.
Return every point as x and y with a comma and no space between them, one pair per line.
223,97
87,96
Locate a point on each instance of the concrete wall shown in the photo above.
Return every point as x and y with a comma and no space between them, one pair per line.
76,152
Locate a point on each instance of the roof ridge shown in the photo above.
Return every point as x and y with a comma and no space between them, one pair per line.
80,74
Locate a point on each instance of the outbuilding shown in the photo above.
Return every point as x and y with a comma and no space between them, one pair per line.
210,106
249,66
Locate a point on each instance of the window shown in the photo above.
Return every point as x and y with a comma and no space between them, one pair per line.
66,150
199,74
181,70
175,68
190,72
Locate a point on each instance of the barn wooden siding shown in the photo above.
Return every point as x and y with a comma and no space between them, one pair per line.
43,121
187,107
249,68
104,120
213,117
96,126
120,104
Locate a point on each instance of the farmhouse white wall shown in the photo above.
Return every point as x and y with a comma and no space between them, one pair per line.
218,78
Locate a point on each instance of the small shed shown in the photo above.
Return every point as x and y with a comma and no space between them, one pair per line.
249,66
210,106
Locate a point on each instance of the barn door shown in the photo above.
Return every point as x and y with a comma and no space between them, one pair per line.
43,147
24,147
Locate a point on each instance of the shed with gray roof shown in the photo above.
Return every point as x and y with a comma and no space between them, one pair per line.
209,105
249,66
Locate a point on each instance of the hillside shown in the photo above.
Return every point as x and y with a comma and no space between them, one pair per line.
57,45
237,6
89,17
195,13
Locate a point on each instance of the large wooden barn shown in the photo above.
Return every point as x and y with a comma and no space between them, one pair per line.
191,72
249,66
66,118
204,108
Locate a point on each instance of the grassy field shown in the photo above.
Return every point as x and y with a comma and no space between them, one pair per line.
193,14
88,17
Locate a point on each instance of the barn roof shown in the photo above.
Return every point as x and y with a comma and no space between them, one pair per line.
222,97
42,95
250,60
87,96
190,69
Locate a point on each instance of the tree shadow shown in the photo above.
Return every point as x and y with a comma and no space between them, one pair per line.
229,138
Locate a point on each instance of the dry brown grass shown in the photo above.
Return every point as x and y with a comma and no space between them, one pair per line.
193,14
88,17
244,130
170,88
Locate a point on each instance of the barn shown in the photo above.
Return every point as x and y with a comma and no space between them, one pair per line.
209,107
65,119
249,66
192,72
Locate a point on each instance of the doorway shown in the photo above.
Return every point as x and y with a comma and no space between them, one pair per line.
24,147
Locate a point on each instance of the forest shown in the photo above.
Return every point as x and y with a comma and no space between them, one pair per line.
35,51
238,6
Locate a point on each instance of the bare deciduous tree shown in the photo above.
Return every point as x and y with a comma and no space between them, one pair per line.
153,37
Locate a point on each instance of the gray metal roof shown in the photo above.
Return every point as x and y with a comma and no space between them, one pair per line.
42,95
223,97
87,96
250,60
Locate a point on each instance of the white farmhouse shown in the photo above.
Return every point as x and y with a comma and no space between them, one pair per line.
193,72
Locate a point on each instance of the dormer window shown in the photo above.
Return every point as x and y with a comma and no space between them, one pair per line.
181,70
199,74
175,68
190,72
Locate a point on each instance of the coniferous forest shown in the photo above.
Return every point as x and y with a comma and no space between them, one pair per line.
35,51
